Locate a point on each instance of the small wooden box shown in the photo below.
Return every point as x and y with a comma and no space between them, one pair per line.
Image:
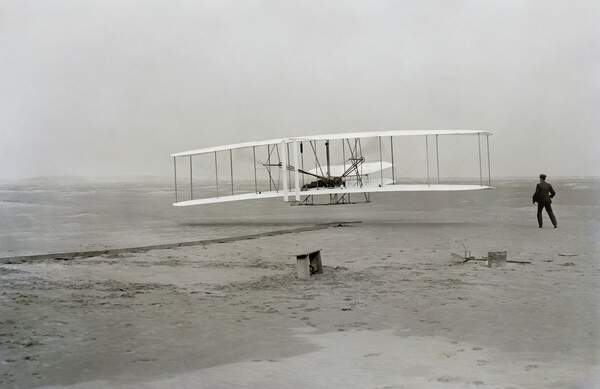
308,264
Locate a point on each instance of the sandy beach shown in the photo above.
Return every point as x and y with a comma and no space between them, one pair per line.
391,310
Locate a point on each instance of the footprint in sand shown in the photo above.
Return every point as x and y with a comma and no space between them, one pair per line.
372,355
447,379
146,360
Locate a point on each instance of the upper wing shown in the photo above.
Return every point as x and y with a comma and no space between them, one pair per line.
349,135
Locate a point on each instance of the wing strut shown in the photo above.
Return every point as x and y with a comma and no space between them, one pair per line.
328,161
287,145
231,168
297,175
479,148
302,160
284,172
487,139
268,169
216,174
191,183
344,154
437,157
254,161
380,163
427,156
392,150
175,171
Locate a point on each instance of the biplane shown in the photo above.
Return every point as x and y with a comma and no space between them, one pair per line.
299,169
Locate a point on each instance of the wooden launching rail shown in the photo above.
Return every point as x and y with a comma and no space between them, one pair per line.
95,253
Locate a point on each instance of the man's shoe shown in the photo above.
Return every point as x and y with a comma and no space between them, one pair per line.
556,226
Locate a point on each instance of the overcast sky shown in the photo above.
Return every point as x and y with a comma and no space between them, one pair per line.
108,88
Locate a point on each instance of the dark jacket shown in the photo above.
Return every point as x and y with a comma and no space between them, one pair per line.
543,193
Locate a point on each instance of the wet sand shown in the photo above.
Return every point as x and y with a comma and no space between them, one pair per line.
391,310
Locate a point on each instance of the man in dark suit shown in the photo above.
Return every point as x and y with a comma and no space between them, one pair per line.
543,197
